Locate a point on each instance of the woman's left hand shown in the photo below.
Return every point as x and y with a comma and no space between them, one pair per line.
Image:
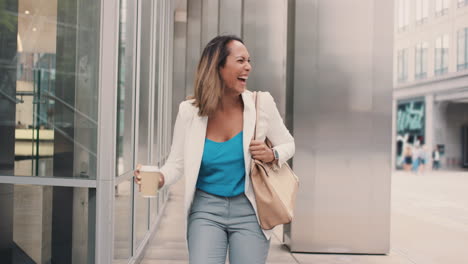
260,151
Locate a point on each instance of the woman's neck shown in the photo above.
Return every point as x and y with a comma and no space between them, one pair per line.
231,101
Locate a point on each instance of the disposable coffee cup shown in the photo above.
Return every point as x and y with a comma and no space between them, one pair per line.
149,181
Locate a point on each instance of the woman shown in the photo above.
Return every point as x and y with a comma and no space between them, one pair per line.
408,155
212,147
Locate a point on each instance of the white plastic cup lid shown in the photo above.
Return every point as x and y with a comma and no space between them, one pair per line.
148,168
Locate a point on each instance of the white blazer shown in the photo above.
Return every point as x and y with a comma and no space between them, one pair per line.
189,137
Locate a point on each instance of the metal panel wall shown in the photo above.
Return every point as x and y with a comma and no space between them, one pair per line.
342,125
209,20
194,13
263,26
230,17
265,35
180,46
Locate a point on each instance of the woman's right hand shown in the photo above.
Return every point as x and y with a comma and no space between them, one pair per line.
137,178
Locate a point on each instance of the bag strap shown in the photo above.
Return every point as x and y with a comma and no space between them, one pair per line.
255,98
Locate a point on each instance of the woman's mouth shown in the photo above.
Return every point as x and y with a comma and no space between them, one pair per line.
243,79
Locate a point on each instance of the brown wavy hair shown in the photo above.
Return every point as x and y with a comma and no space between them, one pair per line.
209,87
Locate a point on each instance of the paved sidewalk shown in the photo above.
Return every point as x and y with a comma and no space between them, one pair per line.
429,226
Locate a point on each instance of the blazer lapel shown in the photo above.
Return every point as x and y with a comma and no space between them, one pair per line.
248,128
196,138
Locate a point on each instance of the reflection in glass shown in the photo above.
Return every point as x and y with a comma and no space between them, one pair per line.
123,222
144,107
145,83
125,88
154,206
45,224
49,87
141,217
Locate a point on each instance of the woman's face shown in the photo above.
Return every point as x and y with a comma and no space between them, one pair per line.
237,68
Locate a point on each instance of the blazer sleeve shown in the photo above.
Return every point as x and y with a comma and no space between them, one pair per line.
173,169
277,132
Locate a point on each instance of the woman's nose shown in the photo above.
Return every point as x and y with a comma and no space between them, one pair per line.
248,67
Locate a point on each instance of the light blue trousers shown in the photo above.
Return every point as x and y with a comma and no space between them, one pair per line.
217,224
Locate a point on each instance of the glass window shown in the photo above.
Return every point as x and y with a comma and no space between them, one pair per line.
402,65
144,104
441,54
46,224
154,203
123,222
422,11
421,60
462,49
441,7
141,216
144,108
125,107
49,88
403,14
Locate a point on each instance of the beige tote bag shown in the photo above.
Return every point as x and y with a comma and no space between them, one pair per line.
275,188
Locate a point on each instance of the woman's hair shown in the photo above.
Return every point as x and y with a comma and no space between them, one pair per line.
209,86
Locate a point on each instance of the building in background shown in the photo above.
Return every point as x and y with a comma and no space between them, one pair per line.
430,98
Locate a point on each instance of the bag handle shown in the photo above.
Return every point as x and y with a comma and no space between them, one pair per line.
255,98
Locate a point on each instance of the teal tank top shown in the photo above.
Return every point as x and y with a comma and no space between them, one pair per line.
222,170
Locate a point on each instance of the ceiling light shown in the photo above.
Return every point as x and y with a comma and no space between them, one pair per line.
26,12
34,29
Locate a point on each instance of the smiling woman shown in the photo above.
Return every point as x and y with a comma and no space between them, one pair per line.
223,60
237,68
213,147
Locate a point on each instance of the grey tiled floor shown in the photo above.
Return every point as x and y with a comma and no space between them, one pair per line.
429,226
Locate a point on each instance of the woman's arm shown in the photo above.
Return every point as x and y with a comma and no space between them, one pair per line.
277,132
173,169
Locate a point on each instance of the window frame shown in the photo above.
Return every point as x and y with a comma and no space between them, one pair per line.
444,7
421,51
462,38
422,11
402,65
441,54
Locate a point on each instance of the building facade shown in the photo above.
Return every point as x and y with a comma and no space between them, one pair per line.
82,88
430,102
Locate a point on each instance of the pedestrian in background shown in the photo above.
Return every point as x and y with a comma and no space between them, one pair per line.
436,159
415,157
408,158
422,158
